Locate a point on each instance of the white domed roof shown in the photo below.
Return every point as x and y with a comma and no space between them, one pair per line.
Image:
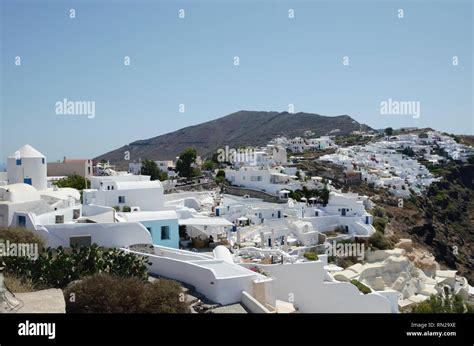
27,151
20,193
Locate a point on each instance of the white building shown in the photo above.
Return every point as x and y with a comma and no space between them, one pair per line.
17,200
271,180
164,166
125,190
27,165
300,145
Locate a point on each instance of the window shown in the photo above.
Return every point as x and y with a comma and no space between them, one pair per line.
21,221
165,232
80,241
59,219
42,160
18,162
121,199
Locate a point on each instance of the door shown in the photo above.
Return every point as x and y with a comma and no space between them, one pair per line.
27,181
279,214
343,212
21,221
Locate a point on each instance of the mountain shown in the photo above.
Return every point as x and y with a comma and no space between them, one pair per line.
237,129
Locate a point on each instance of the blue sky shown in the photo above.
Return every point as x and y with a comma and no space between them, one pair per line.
190,61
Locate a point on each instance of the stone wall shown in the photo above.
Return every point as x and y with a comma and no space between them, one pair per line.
240,191
193,187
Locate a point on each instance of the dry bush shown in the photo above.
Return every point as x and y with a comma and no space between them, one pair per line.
19,284
21,235
105,293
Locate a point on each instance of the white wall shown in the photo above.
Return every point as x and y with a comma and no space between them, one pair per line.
303,284
8,209
116,235
225,291
33,168
252,304
148,199
50,218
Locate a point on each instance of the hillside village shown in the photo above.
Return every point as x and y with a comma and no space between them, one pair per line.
248,227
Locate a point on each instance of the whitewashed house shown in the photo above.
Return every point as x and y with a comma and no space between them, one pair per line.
271,180
135,191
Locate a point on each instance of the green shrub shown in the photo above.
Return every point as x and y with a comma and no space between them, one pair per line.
126,209
363,288
379,224
378,211
380,242
74,181
116,207
220,176
103,293
311,256
345,262
57,268
442,304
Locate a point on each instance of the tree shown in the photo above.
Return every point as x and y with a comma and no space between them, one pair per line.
208,165
389,131
149,167
324,195
74,181
163,176
184,165
298,175
220,176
